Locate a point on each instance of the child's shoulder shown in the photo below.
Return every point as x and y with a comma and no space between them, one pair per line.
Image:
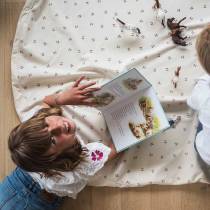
196,100
97,150
97,156
204,77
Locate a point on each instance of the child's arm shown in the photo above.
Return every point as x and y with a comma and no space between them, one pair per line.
200,93
78,94
113,152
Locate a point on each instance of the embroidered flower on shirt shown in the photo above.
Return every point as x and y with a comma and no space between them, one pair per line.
97,155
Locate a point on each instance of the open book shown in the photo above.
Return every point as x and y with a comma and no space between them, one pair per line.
131,109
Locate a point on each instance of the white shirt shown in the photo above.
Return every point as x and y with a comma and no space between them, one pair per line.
73,182
200,101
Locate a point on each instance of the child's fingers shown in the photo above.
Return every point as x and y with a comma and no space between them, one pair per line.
78,81
84,97
89,90
87,85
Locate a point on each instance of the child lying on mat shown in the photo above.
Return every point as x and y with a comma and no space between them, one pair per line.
51,160
200,97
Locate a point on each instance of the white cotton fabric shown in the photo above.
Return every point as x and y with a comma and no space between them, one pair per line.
200,101
58,41
72,182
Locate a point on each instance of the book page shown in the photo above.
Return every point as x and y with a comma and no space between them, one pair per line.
136,119
120,88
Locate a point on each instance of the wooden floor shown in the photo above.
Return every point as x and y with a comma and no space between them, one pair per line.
188,197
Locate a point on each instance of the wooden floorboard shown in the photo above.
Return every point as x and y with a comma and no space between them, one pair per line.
187,197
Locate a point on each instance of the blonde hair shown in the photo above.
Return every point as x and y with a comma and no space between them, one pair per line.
203,48
30,141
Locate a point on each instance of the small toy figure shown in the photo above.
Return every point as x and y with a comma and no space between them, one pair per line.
177,37
176,30
160,15
176,77
157,5
175,25
134,30
173,123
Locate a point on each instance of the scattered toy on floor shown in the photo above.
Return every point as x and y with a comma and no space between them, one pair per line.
177,37
176,31
175,25
173,123
176,77
160,15
128,27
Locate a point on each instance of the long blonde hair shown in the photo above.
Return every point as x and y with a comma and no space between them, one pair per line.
203,48
30,141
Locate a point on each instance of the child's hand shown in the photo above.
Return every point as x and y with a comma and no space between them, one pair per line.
113,152
78,94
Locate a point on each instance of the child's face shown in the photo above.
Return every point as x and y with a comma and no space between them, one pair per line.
63,133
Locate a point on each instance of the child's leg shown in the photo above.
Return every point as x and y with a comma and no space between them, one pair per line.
18,191
205,167
9,198
199,128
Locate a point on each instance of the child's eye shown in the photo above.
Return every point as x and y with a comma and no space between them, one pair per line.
53,141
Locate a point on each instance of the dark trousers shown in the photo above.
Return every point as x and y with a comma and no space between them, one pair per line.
204,166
